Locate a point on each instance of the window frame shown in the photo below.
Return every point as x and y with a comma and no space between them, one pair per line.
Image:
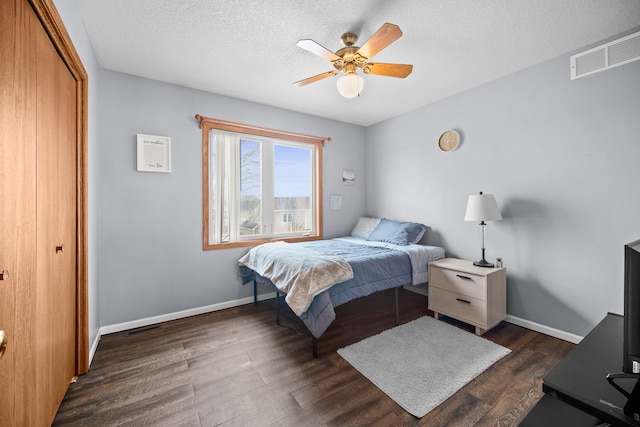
207,124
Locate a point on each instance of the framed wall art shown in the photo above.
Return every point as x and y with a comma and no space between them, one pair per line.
348,177
154,153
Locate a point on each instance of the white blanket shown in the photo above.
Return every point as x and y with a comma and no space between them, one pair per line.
298,272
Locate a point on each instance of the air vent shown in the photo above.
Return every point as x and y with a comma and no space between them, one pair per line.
612,54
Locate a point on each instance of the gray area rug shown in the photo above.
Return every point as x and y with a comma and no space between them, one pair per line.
423,362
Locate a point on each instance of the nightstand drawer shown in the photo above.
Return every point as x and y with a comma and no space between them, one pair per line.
459,282
461,307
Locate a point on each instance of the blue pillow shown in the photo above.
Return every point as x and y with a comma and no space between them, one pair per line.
397,232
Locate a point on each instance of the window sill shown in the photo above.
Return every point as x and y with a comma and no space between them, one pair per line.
247,243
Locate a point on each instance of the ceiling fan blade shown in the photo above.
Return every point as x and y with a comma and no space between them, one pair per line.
317,49
315,78
382,38
391,70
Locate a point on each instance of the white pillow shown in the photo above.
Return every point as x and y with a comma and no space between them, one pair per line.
365,226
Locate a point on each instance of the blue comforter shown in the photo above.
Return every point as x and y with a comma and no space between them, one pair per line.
374,268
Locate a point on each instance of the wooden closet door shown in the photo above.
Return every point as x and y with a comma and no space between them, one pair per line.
42,207
17,210
55,320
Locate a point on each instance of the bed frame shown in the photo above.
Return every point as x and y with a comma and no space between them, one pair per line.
314,340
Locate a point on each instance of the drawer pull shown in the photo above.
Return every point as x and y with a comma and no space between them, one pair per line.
463,300
464,277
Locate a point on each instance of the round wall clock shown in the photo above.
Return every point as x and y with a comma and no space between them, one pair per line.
449,140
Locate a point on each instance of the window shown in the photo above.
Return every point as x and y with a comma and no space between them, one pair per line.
259,185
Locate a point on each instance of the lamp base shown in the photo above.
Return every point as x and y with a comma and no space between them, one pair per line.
483,263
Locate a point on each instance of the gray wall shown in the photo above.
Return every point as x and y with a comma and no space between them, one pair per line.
560,156
151,257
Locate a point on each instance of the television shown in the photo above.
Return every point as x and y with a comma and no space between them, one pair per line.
631,330
631,343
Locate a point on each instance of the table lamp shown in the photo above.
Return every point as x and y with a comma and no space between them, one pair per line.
482,207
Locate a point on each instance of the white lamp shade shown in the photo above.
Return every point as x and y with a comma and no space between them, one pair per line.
350,85
482,207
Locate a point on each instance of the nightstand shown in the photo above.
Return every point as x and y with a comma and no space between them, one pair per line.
471,294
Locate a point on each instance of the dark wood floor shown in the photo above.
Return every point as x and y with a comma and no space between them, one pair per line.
236,367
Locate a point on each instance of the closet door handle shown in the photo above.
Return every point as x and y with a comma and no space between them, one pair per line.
60,248
3,343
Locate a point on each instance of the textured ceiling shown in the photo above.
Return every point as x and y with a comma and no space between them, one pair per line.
247,49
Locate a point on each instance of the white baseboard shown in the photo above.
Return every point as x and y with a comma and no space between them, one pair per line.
119,327
556,333
416,289
94,347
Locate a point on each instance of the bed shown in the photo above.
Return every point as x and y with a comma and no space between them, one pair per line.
317,276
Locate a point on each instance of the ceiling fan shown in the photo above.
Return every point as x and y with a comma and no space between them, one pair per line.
351,58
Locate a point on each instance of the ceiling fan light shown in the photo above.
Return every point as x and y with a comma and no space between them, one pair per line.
350,85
